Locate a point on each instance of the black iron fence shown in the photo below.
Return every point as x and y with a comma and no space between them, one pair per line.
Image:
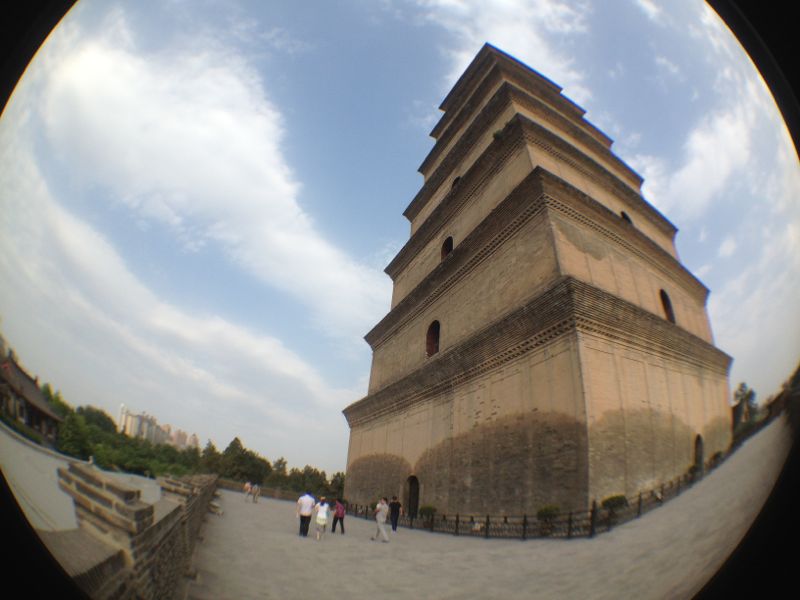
586,523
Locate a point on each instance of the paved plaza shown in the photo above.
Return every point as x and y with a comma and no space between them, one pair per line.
254,551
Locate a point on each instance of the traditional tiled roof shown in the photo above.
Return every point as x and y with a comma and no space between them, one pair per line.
24,385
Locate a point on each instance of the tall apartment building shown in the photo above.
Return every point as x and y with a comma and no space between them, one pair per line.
141,426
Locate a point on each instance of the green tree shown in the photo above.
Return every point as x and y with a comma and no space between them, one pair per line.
56,402
337,485
233,461
241,464
745,396
309,479
73,437
745,411
279,466
211,459
98,418
256,468
294,480
191,459
167,454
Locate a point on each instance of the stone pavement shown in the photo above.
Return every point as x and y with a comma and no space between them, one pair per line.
253,550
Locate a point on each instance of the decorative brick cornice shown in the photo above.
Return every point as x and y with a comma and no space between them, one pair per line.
544,112
518,130
507,218
582,208
480,124
567,308
540,189
507,92
487,114
488,164
566,153
604,315
490,58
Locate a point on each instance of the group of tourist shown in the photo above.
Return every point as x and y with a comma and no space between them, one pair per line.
251,491
321,511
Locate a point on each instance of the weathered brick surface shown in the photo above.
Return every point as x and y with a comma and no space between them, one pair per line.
562,374
155,542
513,465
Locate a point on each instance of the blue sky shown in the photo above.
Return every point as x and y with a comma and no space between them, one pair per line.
198,198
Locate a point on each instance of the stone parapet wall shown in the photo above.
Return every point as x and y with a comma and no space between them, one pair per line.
155,539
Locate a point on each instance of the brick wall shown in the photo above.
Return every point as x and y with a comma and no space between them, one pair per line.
155,539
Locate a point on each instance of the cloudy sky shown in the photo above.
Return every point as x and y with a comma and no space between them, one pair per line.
197,199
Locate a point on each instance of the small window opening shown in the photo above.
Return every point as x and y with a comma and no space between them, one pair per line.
625,217
666,303
447,247
432,339
455,182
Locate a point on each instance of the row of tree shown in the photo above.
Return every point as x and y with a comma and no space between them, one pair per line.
90,432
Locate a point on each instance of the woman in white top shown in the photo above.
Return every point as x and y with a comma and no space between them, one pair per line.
323,511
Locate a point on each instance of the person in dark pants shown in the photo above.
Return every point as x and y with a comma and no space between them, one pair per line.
305,506
395,510
338,515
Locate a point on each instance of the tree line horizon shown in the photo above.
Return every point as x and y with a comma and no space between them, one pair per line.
89,433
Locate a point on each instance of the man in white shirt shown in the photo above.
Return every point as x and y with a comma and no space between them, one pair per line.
305,506
380,518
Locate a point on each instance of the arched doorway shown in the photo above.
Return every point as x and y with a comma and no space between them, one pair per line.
698,455
412,496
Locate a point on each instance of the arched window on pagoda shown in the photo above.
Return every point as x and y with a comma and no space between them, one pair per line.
666,304
432,339
447,247
626,218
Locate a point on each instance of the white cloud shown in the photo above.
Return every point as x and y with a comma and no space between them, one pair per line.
727,247
64,281
718,147
528,30
667,65
756,315
703,270
188,140
737,170
617,71
650,8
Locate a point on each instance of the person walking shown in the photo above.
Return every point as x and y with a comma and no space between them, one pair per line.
305,506
323,510
247,489
381,510
255,491
395,510
339,511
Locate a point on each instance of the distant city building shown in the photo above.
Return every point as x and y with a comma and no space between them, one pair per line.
144,426
22,401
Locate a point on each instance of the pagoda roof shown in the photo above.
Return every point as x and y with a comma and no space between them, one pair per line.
24,385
